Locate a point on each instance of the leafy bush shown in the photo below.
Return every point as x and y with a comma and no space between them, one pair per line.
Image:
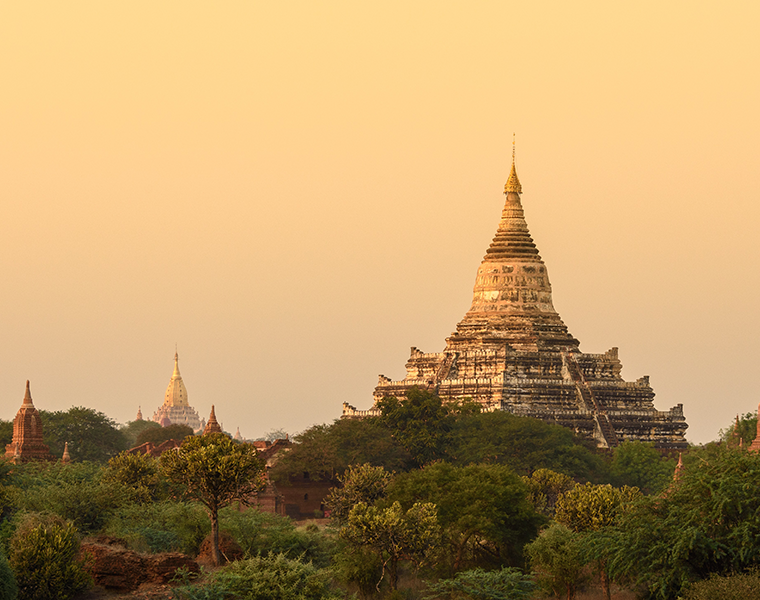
8,586
75,492
138,472
161,526
273,577
44,557
738,586
506,584
358,567
260,533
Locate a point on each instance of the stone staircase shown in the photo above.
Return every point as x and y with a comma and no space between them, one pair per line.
589,401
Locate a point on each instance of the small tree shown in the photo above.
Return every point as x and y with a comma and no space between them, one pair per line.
393,534
590,508
216,471
556,556
544,489
362,483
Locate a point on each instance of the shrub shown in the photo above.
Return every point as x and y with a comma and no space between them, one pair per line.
161,526
506,584
260,533
8,586
738,586
44,557
273,577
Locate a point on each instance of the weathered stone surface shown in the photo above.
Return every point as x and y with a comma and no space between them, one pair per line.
114,567
511,351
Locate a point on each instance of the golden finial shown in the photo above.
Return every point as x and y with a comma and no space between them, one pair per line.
513,183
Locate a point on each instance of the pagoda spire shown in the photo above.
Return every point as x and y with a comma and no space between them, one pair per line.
212,426
513,183
27,396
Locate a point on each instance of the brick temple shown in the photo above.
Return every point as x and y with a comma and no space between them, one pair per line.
512,352
27,443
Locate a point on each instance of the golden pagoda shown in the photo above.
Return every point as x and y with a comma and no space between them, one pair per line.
176,409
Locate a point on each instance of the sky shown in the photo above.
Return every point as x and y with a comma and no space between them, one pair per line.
295,193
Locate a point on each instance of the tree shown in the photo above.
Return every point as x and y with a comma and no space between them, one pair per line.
131,430
325,451
91,434
544,489
587,508
745,430
362,483
707,523
420,422
556,556
483,510
524,444
592,507
393,534
138,472
157,435
215,471
638,464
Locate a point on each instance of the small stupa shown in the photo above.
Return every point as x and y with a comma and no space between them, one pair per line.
213,425
66,458
27,443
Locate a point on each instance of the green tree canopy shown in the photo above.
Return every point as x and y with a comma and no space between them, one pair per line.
360,483
706,523
326,451
138,472
215,470
393,534
131,430
91,435
557,559
483,510
523,444
157,435
638,464
421,423
544,489
592,507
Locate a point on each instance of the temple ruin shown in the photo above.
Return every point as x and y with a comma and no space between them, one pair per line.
512,352
27,443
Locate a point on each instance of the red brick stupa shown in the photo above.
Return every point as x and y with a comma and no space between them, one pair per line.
213,425
27,444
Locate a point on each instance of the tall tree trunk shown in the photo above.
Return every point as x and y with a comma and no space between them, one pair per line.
216,558
393,573
605,580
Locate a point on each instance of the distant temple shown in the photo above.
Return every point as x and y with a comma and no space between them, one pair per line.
512,352
213,425
176,409
27,444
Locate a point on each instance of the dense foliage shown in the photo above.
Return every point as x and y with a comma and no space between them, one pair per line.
44,557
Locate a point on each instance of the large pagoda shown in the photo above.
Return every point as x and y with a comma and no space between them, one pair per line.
176,408
512,352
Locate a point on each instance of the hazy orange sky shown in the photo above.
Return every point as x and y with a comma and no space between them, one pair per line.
297,192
